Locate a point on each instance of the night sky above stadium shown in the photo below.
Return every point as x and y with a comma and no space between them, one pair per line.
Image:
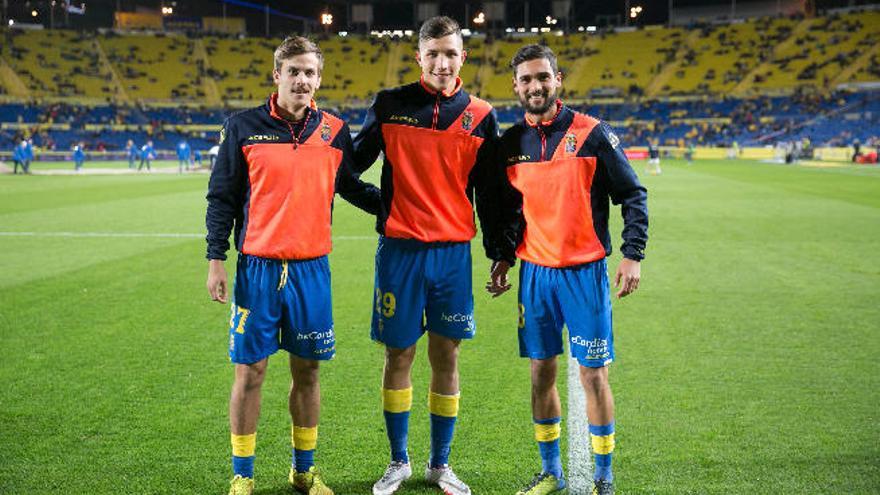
388,14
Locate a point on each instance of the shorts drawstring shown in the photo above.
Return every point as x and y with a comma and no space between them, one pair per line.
283,281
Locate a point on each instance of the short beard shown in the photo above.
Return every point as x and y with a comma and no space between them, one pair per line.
549,101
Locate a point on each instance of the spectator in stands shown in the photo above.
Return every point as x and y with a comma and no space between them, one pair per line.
147,155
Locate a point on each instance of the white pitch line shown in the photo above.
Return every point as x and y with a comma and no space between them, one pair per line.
100,234
580,460
166,235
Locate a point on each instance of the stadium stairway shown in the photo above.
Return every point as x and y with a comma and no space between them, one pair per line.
212,94
655,87
591,45
395,61
745,86
10,80
484,72
118,87
847,74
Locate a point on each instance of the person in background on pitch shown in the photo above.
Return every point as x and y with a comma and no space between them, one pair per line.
147,155
28,154
437,142
79,156
278,168
557,171
18,158
132,152
183,156
654,157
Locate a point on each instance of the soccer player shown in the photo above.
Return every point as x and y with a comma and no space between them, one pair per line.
277,171
559,169
437,144
132,153
79,156
183,156
147,155
18,157
654,157
28,154
689,152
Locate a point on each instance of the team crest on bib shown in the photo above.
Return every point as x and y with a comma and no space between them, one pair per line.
325,132
467,120
613,139
570,143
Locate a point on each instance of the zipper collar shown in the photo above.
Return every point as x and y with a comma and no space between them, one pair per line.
273,108
546,123
445,94
273,111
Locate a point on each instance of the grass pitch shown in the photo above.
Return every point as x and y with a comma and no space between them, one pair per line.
104,165
747,362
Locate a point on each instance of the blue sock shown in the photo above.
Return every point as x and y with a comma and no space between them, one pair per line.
397,426
243,466
442,429
603,467
547,433
303,460
603,446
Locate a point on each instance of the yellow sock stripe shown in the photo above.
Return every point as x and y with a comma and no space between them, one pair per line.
304,438
244,445
547,433
443,405
603,444
397,401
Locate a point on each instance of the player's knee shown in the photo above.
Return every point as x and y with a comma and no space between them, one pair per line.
543,374
250,376
445,361
594,378
399,359
305,372
443,354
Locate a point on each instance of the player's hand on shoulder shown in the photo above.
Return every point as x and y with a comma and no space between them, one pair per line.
498,283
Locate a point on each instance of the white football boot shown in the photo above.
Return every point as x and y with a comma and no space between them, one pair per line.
446,480
396,473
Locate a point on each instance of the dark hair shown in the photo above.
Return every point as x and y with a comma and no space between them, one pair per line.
438,27
297,45
534,52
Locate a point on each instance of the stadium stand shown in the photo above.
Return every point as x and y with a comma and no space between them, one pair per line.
751,82
239,67
154,68
624,63
718,58
59,63
370,56
824,48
